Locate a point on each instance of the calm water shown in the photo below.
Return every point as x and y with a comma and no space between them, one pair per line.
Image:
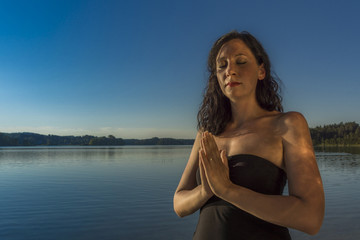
126,193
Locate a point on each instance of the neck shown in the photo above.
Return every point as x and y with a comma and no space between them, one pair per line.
244,111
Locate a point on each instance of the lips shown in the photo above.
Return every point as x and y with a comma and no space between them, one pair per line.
232,84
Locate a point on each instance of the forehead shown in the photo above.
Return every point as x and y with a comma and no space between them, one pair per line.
234,47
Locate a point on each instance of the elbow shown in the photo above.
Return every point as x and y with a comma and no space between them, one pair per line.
177,209
183,207
317,225
179,212
312,230
312,221
317,220
313,227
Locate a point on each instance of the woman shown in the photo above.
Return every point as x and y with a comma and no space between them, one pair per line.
245,150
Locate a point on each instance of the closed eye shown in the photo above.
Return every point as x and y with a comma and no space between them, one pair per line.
222,64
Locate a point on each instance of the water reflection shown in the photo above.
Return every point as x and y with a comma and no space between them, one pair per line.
126,193
338,149
26,156
339,159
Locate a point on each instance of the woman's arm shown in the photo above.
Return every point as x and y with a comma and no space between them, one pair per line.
189,197
303,209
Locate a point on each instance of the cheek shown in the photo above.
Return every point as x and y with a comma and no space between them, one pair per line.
220,77
221,85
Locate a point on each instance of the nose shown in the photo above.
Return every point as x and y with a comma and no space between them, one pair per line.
230,70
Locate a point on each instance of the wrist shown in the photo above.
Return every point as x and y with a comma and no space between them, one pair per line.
226,190
205,194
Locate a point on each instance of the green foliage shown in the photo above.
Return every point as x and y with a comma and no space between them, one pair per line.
106,141
33,139
342,134
5,140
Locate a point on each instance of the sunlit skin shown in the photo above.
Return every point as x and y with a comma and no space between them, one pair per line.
238,71
281,138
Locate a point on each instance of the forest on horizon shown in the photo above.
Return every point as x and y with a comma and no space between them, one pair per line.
34,139
340,134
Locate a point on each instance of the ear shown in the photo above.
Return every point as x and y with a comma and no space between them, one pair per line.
261,72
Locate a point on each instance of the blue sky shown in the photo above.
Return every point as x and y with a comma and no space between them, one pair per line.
137,69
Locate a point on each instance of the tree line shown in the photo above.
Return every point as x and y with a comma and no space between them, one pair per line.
341,134
34,139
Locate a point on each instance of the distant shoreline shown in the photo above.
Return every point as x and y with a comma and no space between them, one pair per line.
336,145
333,135
26,139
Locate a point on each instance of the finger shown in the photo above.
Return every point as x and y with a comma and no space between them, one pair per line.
203,136
206,144
211,147
208,150
224,158
204,163
202,142
202,156
212,142
201,167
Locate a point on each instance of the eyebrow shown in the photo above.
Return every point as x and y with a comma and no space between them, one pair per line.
239,54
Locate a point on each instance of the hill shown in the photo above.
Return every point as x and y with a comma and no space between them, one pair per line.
34,139
341,134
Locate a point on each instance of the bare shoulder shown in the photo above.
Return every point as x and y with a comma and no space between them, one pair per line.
304,180
290,123
290,119
296,139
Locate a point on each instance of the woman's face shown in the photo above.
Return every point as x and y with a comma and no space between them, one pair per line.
237,70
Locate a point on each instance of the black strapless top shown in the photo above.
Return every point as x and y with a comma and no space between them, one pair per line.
220,220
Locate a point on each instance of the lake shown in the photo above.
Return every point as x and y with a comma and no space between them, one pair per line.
126,193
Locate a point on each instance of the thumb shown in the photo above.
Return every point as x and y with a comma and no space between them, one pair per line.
201,167
224,158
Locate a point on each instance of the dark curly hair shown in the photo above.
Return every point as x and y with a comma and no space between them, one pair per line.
215,111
